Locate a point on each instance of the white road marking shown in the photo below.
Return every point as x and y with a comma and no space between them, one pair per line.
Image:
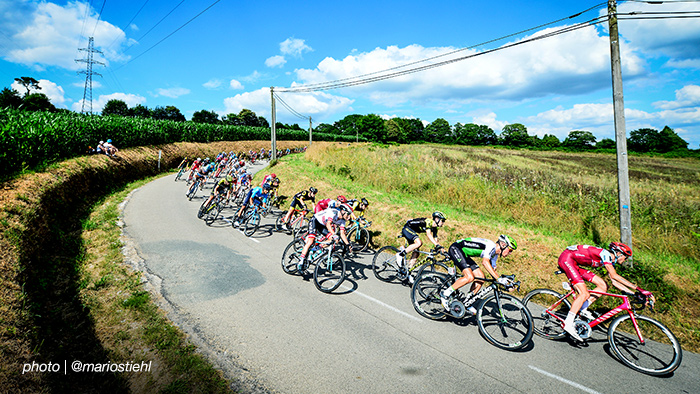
559,378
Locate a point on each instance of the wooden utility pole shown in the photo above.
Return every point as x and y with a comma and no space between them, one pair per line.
310,128
623,183
273,125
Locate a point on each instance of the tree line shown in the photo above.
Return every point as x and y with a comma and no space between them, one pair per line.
376,129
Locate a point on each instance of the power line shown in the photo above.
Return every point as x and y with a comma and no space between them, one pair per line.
290,109
168,36
129,23
99,16
158,23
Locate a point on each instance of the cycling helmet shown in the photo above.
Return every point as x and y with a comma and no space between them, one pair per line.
241,163
510,242
439,215
342,199
620,247
229,178
344,208
199,159
313,190
364,201
273,176
267,186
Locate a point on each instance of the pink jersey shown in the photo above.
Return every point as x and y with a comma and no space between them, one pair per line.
589,256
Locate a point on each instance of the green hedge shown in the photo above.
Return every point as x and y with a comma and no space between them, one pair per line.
32,139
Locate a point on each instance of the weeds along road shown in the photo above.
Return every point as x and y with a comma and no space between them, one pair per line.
276,331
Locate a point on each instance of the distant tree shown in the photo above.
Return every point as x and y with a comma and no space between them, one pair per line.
415,129
9,98
169,112
28,83
140,111
395,131
248,117
670,141
515,135
579,140
326,128
606,143
349,124
37,102
262,122
295,126
231,119
550,141
115,107
438,131
205,116
372,127
643,140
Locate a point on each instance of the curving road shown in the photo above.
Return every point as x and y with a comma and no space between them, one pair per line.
277,332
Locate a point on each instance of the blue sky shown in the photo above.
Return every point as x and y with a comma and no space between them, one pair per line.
228,57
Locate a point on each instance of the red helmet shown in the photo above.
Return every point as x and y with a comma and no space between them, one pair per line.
273,175
342,199
620,247
241,163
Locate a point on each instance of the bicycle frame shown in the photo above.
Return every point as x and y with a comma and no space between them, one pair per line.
625,306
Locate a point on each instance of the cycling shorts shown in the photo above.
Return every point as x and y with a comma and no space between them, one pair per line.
316,229
409,234
246,200
575,273
461,260
296,203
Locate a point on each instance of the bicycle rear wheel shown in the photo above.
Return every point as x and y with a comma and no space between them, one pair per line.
359,239
546,320
425,295
505,322
660,354
329,274
384,264
290,257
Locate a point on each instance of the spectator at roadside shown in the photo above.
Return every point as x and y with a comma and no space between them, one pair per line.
110,149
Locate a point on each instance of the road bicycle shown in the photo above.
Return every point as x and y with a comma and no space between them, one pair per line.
251,220
210,212
329,270
297,222
240,195
387,269
184,167
358,235
638,341
503,320
193,189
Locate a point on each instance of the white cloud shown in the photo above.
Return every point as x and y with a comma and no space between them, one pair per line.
688,96
294,47
317,105
50,34
212,83
131,100
173,92
54,92
550,66
275,61
489,119
236,85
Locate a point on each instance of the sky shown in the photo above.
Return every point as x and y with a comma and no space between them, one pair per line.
504,61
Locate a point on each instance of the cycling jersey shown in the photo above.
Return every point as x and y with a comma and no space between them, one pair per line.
267,179
419,225
583,255
319,223
256,194
302,196
462,251
355,205
221,186
325,204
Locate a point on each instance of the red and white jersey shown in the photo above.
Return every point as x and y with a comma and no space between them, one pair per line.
590,256
330,215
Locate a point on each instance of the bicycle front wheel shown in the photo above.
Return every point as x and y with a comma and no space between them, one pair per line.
251,225
384,264
425,295
329,274
359,239
505,322
548,320
659,354
290,257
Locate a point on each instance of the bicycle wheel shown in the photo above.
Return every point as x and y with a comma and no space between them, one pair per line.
203,209
300,228
179,174
278,224
384,264
359,239
213,213
425,295
507,326
193,190
431,266
329,274
660,354
251,225
290,257
547,321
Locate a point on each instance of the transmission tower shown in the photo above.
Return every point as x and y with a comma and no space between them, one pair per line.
87,94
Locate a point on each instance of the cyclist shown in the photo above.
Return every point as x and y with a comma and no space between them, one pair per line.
329,203
258,195
195,165
268,179
575,256
410,232
461,253
324,223
298,201
223,185
358,207
201,172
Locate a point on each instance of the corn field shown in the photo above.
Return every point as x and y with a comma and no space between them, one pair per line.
32,139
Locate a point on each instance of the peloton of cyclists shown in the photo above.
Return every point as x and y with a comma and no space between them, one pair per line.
224,184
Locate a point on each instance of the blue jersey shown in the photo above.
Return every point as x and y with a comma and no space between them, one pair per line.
257,194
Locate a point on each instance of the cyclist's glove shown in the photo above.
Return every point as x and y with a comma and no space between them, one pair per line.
503,281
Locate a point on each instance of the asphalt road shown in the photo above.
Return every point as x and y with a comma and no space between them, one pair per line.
277,332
